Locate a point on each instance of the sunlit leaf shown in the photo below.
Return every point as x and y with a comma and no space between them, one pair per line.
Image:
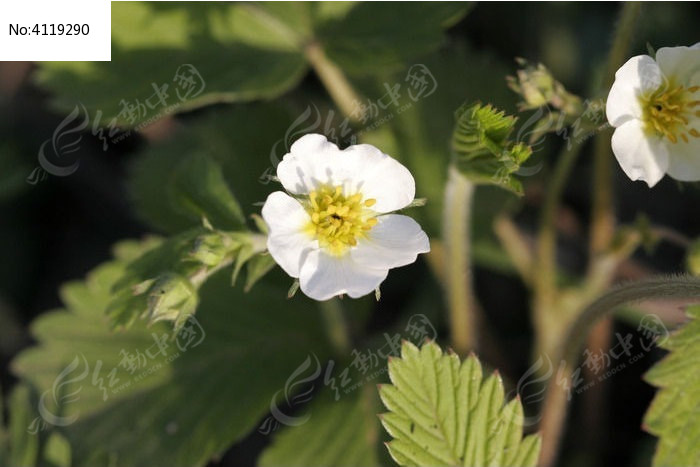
443,412
673,413
172,57
179,405
197,50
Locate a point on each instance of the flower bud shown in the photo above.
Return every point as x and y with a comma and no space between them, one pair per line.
172,298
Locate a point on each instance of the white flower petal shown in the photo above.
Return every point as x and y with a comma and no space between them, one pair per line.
324,276
394,241
312,158
637,75
684,161
379,176
314,161
287,242
680,64
641,157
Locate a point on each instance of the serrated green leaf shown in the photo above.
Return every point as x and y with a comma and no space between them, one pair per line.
483,151
23,445
674,412
177,409
442,412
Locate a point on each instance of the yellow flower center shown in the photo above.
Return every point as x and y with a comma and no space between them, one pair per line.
668,110
337,220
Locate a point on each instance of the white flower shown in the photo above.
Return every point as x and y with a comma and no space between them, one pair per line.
335,232
655,107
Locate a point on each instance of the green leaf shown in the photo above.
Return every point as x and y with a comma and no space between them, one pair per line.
231,138
338,433
375,37
484,153
57,451
233,58
442,412
191,186
179,408
235,52
198,189
673,413
23,445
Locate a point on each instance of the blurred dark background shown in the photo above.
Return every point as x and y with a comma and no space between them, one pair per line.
61,227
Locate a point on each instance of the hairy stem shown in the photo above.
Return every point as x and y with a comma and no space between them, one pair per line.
557,395
459,194
334,80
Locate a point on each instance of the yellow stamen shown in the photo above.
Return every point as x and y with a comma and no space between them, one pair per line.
338,221
666,112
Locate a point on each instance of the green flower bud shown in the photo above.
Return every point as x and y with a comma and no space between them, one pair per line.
172,298
210,249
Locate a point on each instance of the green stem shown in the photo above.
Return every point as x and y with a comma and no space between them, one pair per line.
334,80
602,216
550,318
603,263
555,404
546,277
336,326
459,194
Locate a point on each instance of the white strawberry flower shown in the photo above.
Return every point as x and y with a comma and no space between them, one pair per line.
336,233
654,106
